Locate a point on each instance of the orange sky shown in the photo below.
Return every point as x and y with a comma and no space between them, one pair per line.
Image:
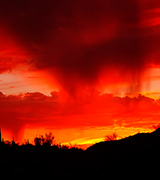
80,69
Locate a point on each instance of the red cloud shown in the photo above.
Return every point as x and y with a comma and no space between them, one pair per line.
77,40
94,110
81,44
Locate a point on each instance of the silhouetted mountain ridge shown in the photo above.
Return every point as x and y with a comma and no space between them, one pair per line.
140,140
136,155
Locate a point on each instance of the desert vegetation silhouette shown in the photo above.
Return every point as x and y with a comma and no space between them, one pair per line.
111,137
137,155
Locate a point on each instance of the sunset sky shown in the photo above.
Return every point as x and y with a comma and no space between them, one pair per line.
79,69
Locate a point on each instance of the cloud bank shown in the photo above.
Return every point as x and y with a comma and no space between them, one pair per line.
39,110
78,41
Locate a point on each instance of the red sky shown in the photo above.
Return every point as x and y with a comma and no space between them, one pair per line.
76,68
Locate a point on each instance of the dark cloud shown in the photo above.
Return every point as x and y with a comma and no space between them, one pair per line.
75,40
148,4
37,96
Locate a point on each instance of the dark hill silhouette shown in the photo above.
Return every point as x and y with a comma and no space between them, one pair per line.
137,155
140,139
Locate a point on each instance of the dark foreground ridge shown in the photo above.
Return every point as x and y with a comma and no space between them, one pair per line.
137,155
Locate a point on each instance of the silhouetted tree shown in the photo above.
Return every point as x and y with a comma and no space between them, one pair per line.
37,141
156,126
49,139
111,137
64,147
45,141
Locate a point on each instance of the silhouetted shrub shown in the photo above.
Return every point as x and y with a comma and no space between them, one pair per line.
111,137
8,143
64,147
156,126
44,141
